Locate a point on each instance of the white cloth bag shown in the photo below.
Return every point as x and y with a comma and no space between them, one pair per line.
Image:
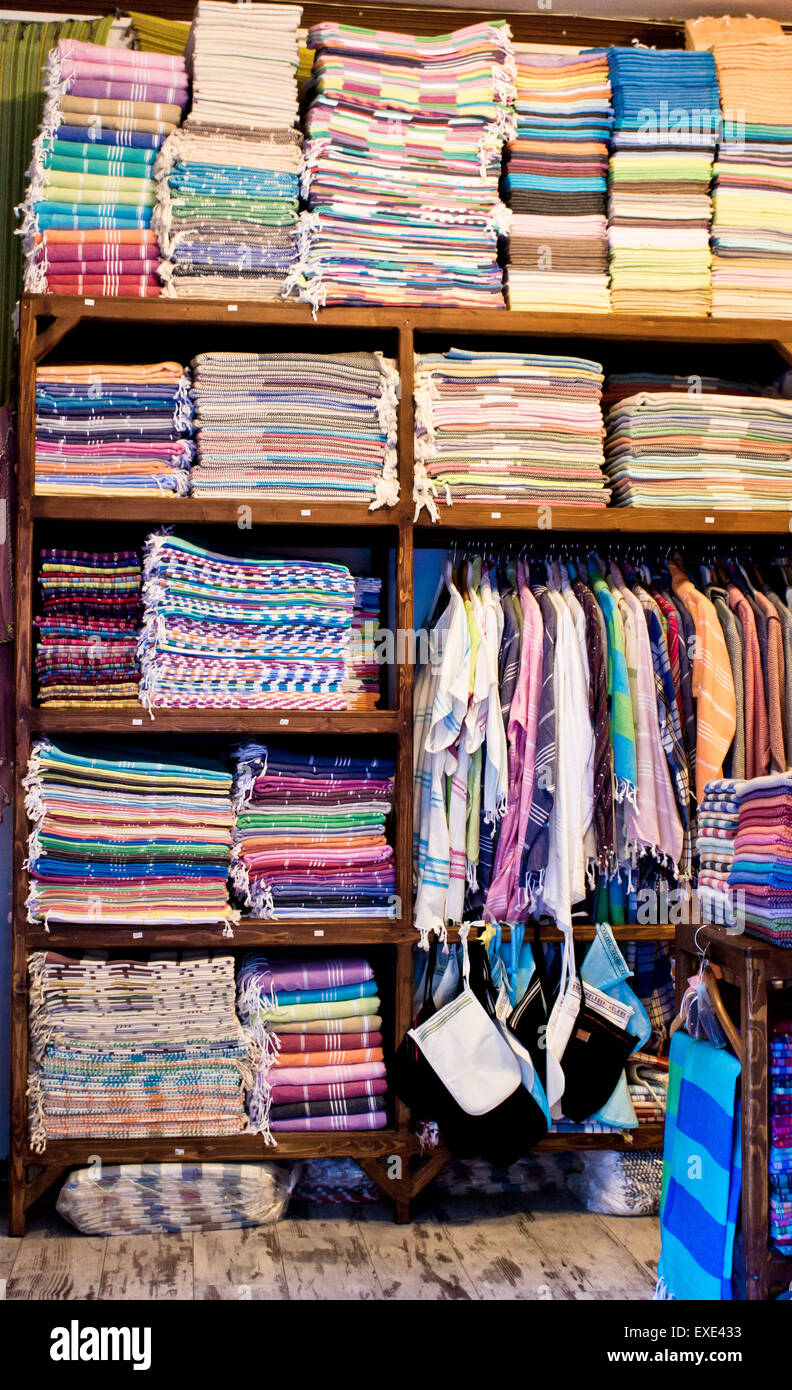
465,1048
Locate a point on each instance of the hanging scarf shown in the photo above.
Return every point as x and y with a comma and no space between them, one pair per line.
598,713
622,727
536,846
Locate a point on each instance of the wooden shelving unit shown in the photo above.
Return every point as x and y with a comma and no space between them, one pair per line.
754,968
46,325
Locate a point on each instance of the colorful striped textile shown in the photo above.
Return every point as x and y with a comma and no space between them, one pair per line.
507,427
228,197
761,869
752,193
647,1083
242,632
334,1182
296,426
120,430
310,835
718,817
142,1048
362,679
556,184
23,52
666,124
702,1172
304,1091
156,35
619,385
146,1198
108,111
403,157
781,1137
127,842
87,647
694,449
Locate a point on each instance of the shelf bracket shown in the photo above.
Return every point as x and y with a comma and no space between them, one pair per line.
46,341
785,350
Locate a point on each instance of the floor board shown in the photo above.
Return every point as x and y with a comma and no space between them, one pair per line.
464,1247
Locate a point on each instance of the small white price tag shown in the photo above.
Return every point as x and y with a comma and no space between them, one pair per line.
283,722
89,303
136,935
709,521
232,308
137,721
179,1152
306,511
318,933
496,516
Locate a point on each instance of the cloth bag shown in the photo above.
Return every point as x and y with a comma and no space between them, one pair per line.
467,1051
593,1059
604,966
502,1135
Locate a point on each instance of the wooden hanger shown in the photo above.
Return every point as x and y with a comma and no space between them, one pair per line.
712,991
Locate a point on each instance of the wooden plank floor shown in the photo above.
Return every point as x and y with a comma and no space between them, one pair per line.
535,1245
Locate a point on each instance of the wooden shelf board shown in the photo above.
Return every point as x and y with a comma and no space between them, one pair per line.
733,948
198,511
251,1147
586,931
216,511
644,1137
249,932
371,932
97,719
467,322
367,1143
666,521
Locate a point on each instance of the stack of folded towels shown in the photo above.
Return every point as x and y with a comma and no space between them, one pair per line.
508,427
666,123
88,211
694,449
752,195
403,161
143,1048
120,430
229,189
124,841
557,182
318,1024
761,871
87,648
717,819
237,632
647,1083
296,426
781,1137
362,683
310,839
